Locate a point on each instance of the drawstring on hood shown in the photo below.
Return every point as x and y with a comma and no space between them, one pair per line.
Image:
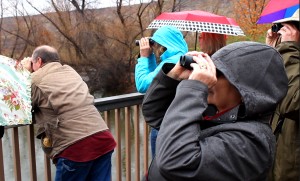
257,71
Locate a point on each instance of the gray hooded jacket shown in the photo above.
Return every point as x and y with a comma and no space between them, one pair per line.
241,149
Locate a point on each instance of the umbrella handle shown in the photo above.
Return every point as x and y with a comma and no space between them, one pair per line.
196,40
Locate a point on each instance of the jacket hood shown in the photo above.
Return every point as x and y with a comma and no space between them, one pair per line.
257,71
172,39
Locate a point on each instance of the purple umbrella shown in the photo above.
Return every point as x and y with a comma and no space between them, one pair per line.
278,9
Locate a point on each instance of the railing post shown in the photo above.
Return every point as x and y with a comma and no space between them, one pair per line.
16,154
106,118
1,162
47,168
128,143
137,142
31,149
119,151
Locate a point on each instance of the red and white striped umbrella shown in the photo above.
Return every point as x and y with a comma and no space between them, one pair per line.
198,21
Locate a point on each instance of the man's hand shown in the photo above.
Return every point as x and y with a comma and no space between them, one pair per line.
271,38
27,64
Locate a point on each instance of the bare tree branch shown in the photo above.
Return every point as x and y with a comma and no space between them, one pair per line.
76,5
69,38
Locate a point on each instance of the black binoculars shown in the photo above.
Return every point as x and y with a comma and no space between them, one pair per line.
185,61
151,42
276,27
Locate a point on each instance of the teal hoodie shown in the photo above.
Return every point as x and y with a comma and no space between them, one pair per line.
147,68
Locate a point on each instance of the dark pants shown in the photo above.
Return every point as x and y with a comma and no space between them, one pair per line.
95,170
153,137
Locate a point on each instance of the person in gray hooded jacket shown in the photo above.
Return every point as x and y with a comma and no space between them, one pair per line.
213,119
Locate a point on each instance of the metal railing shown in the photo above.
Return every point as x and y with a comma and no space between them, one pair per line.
122,115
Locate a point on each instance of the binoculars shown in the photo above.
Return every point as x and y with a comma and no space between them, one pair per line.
185,61
151,42
276,27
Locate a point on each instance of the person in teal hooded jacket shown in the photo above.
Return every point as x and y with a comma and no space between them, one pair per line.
168,44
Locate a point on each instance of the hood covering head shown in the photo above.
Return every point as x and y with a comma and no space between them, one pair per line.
172,39
257,71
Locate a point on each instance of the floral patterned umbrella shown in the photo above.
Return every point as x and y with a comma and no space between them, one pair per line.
15,93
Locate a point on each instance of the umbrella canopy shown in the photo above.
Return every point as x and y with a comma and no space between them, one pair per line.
197,21
278,9
15,93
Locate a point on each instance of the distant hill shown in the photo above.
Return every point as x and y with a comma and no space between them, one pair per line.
220,7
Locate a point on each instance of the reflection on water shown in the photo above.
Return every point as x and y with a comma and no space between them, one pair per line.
25,170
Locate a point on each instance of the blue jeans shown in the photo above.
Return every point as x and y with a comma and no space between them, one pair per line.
153,137
95,170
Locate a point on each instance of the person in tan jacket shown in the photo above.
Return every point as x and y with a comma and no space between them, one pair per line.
72,131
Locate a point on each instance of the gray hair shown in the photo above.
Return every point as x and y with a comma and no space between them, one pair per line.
46,53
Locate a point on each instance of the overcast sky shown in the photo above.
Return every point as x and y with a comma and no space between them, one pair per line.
43,4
